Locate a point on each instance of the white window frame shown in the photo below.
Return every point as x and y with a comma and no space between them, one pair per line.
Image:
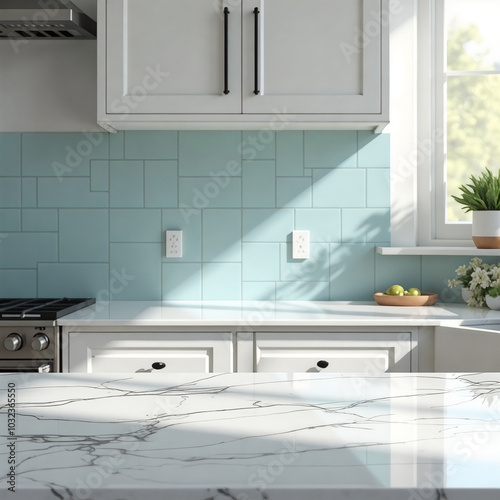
416,137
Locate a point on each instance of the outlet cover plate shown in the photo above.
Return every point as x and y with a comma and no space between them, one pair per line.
300,244
174,244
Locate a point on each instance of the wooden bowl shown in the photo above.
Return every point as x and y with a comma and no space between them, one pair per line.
426,299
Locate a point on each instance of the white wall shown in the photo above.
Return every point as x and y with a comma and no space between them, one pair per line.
48,85
88,6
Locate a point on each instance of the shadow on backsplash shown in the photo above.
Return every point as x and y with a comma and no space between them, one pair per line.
90,221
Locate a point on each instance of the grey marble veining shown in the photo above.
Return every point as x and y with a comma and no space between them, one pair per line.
249,436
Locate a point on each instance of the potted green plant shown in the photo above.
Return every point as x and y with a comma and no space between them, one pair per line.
493,298
482,198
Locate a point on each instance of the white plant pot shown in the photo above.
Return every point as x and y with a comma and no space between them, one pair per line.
493,302
486,228
466,294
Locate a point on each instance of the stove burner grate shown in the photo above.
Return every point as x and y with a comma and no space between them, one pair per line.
40,309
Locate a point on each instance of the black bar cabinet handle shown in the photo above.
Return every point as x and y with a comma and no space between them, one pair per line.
256,13
226,45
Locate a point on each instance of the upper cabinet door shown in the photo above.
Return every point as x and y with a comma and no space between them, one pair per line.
168,56
313,56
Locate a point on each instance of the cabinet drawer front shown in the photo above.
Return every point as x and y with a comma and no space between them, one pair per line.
335,360
147,352
366,353
137,360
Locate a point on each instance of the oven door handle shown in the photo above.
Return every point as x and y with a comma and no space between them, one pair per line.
26,366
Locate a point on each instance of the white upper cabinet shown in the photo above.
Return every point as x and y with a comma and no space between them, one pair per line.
239,63
167,56
309,58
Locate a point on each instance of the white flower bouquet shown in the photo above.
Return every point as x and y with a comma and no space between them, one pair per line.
480,278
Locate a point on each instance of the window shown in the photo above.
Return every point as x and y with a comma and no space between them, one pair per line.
467,83
445,114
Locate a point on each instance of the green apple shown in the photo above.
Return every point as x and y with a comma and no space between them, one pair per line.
395,290
414,291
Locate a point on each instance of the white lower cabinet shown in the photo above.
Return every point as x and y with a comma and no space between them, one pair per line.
135,352
467,348
367,353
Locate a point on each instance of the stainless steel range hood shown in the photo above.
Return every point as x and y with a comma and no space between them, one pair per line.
44,20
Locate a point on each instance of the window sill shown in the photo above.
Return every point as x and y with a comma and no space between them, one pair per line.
472,251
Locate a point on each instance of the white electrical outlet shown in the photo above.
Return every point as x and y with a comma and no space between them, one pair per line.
174,244
300,244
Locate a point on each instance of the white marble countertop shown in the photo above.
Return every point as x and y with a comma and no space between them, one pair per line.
250,436
262,314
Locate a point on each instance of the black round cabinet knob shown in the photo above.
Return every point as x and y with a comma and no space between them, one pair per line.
158,365
322,364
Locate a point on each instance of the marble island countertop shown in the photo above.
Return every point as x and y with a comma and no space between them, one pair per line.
262,314
250,436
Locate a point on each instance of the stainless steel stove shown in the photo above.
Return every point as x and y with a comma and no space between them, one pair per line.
29,337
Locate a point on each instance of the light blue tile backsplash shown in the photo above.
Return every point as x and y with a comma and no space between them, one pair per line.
10,220
29,192
221,235
10,192
126,184
86,215
83,235
42,154
259,184
261,262
149,145
330,149
10,157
